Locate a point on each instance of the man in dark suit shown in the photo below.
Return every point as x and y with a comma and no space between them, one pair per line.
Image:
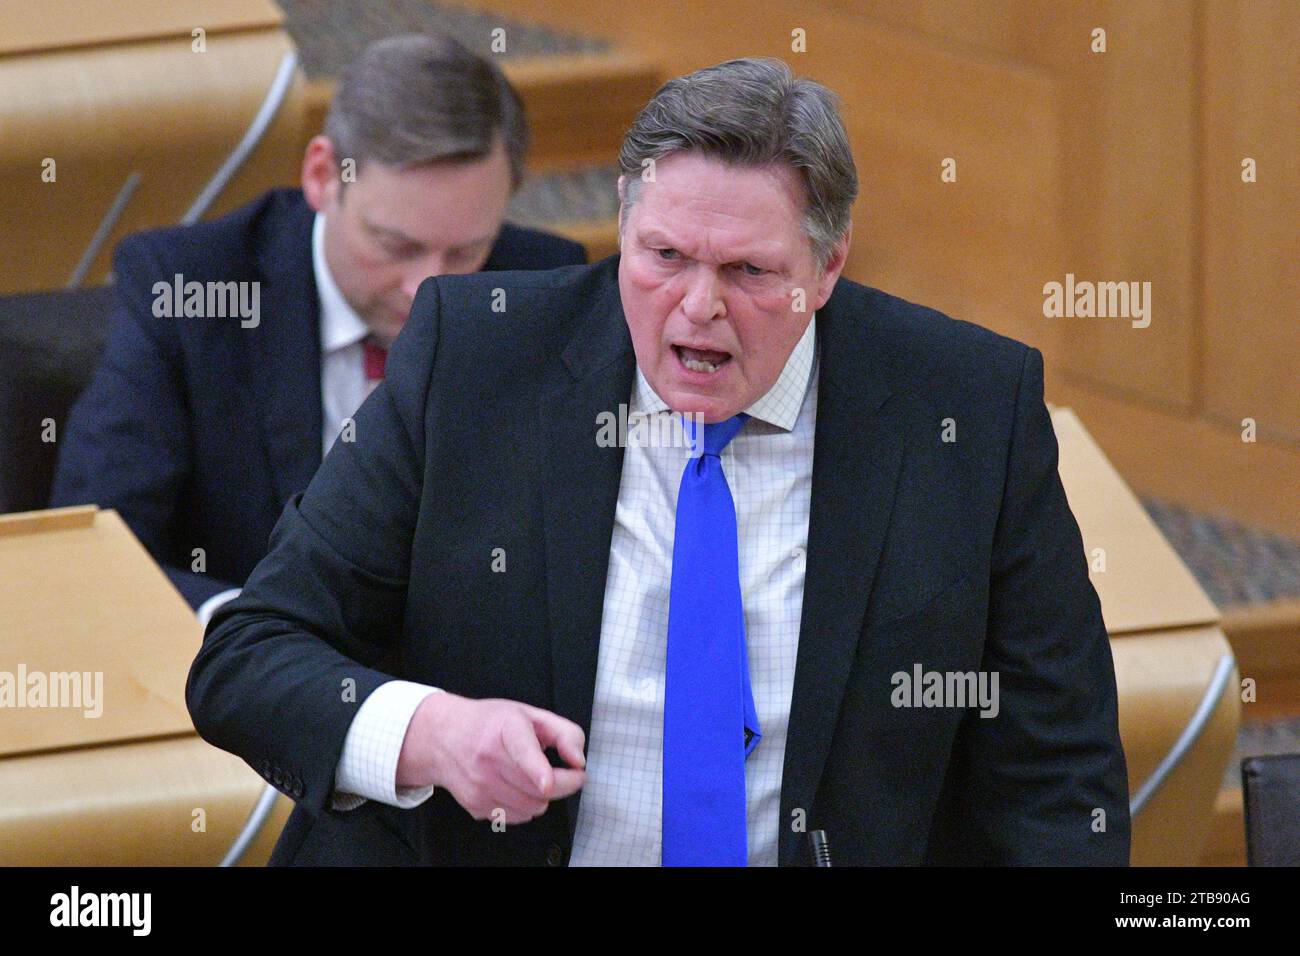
857,603
208,412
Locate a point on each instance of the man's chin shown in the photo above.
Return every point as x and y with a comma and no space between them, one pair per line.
714,408
385,332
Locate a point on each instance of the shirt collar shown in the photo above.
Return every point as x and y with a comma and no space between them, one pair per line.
340,326
779,406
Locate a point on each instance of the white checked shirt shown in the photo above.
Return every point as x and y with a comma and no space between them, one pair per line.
768,466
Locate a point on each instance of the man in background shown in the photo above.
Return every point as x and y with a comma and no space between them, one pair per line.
198,427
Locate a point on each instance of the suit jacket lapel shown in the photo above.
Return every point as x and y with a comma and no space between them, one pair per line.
283,353
580,482
858,451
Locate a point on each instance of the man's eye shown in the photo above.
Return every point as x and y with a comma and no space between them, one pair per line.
668,255
466,254
753,270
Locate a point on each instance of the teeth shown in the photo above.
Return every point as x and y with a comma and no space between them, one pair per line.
698,366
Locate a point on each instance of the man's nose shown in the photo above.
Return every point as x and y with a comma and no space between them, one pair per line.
703,299
433,265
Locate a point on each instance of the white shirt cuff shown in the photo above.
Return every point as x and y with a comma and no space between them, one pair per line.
367,767
209,607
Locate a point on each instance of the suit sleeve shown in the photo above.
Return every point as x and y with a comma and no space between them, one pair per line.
285,667
1045,781
127,442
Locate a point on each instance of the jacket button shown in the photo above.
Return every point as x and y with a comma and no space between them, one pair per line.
554,855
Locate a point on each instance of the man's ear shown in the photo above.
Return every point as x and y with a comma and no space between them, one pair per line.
320,173
622,187
834,266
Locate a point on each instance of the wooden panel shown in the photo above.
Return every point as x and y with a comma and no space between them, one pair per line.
91,601
980,248
1161,679
131,805
1144,585
1032,31
101,114
1130,194
1266,640
1226,843
53,519
1202,465
31,25
1130,163
579,106
600,239
1252,240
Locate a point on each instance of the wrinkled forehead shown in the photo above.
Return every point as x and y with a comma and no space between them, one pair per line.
688,199
697,172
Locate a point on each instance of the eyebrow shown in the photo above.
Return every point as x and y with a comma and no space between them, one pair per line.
403,237
654,236
389,233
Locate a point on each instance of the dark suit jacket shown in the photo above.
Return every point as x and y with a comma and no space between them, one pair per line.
956,555
198,430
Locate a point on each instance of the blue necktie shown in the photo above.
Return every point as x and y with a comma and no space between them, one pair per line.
710,724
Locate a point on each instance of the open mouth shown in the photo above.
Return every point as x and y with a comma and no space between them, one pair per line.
707,361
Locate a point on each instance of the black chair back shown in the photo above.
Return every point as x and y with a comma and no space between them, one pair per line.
50,343
1271,794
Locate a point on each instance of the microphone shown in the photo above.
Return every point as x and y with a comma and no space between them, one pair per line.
821,848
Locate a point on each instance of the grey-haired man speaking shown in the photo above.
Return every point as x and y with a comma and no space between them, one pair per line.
482,636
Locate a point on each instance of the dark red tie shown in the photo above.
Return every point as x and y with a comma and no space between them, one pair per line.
376,356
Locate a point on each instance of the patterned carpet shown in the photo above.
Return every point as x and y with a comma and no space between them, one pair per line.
1235,564
582,195
1262,740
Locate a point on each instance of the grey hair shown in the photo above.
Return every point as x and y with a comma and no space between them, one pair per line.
752,112
423,98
